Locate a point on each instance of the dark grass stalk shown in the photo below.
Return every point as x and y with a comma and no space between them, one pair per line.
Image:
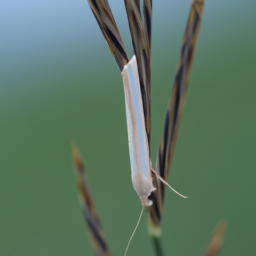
173,117
103,14
174,111
96,234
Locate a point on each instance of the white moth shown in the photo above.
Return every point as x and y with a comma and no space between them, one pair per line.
138,143
141,166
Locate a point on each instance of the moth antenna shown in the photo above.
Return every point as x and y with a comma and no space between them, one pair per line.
162,180
134,231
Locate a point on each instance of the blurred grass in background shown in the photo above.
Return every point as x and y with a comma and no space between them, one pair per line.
58,82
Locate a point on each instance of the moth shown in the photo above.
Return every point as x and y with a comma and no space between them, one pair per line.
138,144
141,166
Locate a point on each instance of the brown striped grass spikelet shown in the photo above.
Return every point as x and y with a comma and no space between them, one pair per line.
174,113
96,235
214,245
107,24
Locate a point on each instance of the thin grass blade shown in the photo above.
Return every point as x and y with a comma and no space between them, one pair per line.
174,113
147,17
214,245
141,47
96,235
107,24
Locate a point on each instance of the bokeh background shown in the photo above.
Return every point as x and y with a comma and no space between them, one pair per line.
59,83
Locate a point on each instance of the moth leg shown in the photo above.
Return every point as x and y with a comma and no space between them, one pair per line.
163,181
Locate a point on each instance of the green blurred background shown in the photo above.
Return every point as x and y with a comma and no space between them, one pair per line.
58,82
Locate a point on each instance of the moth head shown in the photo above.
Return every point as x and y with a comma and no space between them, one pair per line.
144,187
146,198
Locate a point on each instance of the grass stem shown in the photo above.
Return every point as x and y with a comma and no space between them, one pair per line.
157,242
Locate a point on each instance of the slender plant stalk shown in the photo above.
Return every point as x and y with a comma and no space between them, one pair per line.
103,14
173,115
157,243
96,235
